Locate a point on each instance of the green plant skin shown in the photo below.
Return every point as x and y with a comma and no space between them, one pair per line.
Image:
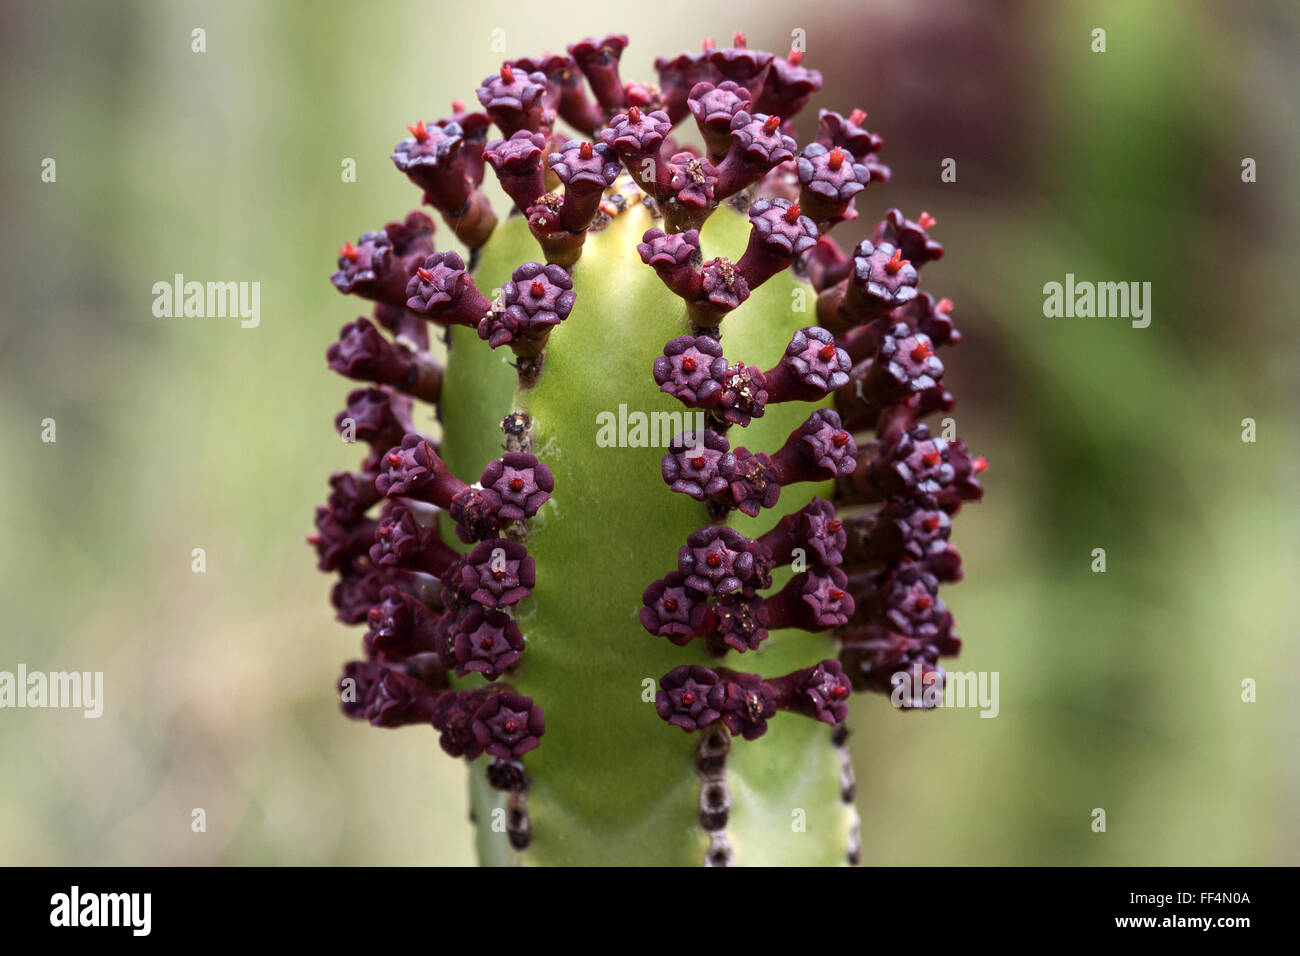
611,783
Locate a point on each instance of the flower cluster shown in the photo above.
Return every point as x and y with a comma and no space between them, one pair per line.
869,364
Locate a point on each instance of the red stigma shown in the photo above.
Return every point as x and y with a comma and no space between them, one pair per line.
931,523
835,594
834,525
499,573
826,353
538,288
944,306
926,221
507,73
836,159
932,458
688,698
771,124
424,274
394,459
384,531
896,262
697,462
924,602
419,131
792,212
921,352
688,364
708,44
795,57
738,40
839,692
313,539
458,106
840,439
485,643
670,604
713,560
350,252
979,464
511,725
584,151
516,483
633,114
375,613
857,117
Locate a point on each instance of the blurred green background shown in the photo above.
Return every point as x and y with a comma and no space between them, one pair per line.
1119,690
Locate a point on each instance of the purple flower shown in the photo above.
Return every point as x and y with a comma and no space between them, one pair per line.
400,625
453,718
598,60
498,573
508,725
669,609
689,697
692,370
363,353
517,162
692,465
714,107
514,99
378,417
779,234
516,485
747,704
752,479
812,367
536,299
912,238
744,394
442,289
829,179
676,258
482,640
788,86
717,560
882,280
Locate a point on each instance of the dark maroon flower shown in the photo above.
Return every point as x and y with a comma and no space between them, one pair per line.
779,235
375,416
690,192
676,258
916,466
357,590
788,86
433,157
744,394
714,107
482,640
517,162
442,289
498,573
400,625
514,99
742,65
826,264
964,487
814,600
933,318
678,76
910,237
752,480
401,541
508,725
812,367
738,621
717,560
413,469
517,485
818,450
747,704
637,137
598,60
906,362
691,466
356,686
692,370
338,541
398,699
757,146
475,513
536,299
689,697
813,528
586,171
670,608
453,718
821,692
351,495
848,133
829,179
373,269
723,288
882,280
363,353
907,602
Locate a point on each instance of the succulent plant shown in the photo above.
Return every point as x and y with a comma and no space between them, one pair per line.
594,623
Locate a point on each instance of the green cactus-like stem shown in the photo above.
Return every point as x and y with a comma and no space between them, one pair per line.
611,782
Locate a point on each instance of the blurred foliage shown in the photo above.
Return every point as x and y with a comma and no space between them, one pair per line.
1119,691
